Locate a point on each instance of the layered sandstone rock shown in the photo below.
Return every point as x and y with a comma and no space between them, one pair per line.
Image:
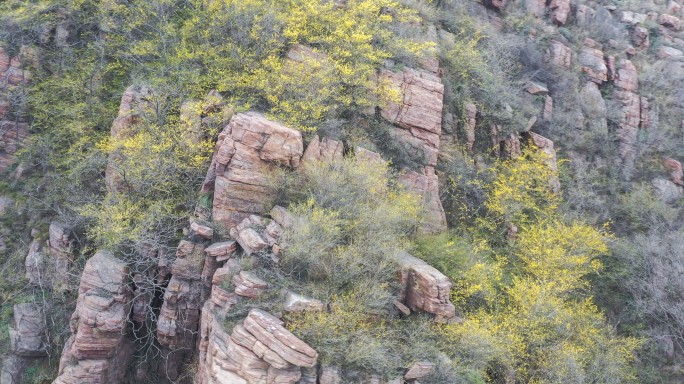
179,317
98,352
417,112
249,146
424,288
592,62
630,103
559,54
259,350
13,129
326,150
674,169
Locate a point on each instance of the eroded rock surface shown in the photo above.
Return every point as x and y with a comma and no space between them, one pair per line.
246,149
424,288
99,350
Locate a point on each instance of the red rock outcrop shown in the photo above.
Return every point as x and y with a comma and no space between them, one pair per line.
592,62
417,111
424,288
640,37
179,317
246,149
560,9
559,54
426,184
13,129
627,84
670,21
98,352
27,331
674,168
326,150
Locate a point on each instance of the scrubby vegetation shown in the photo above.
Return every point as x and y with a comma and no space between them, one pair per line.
578,286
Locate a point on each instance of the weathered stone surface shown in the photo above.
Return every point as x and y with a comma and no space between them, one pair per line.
559,54
584,15
560,9
200,230
497,4
547,112
640,37
670,21
418,111
669,53
674,169
673,7
299,303
35,264
326,150
179,315
535,7
426,185
99,350
536,88
249,285
222,251
668,191
248,234
281,216
470,124
27,330
419,370
593,107
591,60
13,369
12,137
546,146
245,151
330,375
424,288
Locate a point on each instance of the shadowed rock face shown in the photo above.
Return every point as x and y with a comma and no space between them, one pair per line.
98,351
13,129
246,149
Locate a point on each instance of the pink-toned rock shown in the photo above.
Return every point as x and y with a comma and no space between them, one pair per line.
249,285
547,112
424,288
627,76
674,8
246,150
584,15
536,88
669,21
426,185
640,37
560,9
98,352
665,53
326,150
249,234
470,124
644,113
591,60
27,330
200,230
281,216
559,54
674,168
497,4
418,111
35,265
12,137
419,370
223,250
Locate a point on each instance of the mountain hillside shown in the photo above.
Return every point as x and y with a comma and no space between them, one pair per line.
341,191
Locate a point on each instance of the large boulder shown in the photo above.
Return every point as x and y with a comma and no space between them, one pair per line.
249,146
27,330
99,349
424,288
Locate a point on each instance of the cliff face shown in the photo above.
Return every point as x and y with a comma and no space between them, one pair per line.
222,304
